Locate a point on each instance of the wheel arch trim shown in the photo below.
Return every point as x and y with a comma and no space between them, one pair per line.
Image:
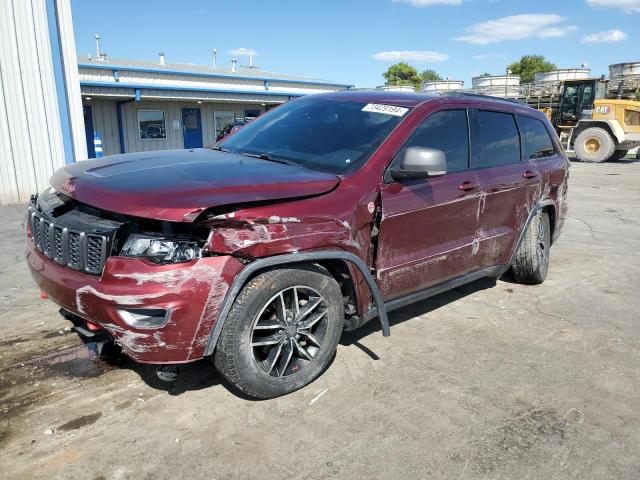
256,266
613,126
538,207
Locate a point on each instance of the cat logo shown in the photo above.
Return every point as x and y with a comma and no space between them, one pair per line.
603,109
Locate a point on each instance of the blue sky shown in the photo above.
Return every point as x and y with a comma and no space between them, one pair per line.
354,41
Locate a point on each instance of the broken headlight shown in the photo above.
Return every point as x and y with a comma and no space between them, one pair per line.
160,249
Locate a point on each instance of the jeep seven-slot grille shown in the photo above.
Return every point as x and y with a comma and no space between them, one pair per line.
69,246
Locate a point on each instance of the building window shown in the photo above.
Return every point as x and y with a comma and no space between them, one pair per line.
152,125
221,120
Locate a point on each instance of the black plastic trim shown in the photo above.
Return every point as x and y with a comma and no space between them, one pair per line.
401,302
261,264
534,211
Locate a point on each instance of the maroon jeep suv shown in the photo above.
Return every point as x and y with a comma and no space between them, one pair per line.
324,213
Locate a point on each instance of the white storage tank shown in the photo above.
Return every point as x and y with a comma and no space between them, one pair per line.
443,86
563,74
497,85
624,69
397,88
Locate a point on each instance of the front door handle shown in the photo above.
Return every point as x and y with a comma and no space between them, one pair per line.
529,174
468,185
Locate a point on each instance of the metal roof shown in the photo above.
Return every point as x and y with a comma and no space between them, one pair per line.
84,61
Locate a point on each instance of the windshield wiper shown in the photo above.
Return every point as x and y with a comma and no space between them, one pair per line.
269,156
220,149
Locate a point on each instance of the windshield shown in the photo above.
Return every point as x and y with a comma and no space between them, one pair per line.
327,135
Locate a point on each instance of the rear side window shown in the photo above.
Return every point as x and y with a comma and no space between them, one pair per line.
536,141
448,131
500,140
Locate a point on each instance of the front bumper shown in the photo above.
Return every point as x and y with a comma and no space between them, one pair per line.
193,292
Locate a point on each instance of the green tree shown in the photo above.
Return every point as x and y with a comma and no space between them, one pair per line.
429,76
529,65
402,74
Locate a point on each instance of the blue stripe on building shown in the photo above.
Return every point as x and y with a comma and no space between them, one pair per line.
61,88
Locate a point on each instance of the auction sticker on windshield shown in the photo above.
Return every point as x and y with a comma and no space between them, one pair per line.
386,109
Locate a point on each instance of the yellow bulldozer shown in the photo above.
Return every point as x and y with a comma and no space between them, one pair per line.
598,118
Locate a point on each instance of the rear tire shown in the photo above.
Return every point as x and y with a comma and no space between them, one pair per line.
266,348
618,154
531,261
594,145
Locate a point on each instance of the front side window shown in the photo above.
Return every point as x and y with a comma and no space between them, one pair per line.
334,136
151,124
447,131
536,141
500,140
632,118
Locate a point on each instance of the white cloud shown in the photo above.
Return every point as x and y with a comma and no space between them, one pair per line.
242,52
517,27
425,56
626,5
609,36
428,3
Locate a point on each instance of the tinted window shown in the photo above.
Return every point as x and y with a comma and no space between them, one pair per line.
536,142
500,141
328,135
446,131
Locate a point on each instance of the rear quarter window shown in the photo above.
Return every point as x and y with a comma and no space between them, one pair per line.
536,141
500,139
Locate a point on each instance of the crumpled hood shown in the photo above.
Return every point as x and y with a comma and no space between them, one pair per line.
177,185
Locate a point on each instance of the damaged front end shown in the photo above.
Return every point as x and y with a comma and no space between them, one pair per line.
150,284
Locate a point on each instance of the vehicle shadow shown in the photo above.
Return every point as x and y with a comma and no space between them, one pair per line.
411,311
203,374
192,376
622,161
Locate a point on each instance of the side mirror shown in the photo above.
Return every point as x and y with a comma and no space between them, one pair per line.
419,162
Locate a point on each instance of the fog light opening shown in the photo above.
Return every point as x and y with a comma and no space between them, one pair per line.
145,317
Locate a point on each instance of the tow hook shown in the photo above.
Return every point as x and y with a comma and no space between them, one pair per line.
168,373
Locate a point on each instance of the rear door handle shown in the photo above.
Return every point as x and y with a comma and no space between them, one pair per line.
468,185
529,174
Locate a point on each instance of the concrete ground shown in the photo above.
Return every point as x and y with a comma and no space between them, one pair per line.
485,382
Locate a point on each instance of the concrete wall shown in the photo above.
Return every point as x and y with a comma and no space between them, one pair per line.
105,121
41,125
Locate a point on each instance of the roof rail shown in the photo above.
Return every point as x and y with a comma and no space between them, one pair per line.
457,93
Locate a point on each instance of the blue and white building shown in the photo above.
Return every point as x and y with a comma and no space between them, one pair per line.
153,105
54,105
41,122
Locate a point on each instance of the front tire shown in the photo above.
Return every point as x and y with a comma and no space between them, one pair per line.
594,145
282,331
531,261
